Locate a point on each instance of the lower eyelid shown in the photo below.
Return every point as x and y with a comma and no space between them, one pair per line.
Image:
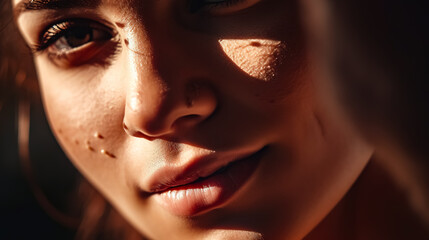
93,53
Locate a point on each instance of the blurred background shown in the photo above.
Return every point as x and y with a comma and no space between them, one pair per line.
27,213
37,197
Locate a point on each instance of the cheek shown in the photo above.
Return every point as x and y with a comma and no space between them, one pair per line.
83,116
259,58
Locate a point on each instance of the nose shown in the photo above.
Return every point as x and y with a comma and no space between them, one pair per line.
157,107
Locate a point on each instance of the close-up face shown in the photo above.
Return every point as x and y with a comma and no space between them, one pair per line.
196,119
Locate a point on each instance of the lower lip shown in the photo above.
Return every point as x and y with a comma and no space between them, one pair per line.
211,192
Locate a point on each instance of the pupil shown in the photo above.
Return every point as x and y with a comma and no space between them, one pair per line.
78,36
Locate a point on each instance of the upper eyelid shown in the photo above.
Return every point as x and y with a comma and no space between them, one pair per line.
73,22
47,18
55,27
44,42
33,24
230,7
43,5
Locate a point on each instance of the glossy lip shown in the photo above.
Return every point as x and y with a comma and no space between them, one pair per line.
190,194
193,169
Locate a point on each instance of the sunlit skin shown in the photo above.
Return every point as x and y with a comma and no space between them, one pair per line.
172,85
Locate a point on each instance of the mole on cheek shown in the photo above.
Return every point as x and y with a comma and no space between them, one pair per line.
88,146
98,135
64,137
107,153
259,58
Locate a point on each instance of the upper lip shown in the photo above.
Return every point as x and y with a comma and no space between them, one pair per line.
171,176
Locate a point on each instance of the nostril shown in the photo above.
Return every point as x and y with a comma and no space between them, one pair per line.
129,131
187,120
125,127
190,117
136,133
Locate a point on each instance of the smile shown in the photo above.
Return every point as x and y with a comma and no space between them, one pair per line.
190,196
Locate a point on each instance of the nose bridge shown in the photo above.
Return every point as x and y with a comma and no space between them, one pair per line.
148,96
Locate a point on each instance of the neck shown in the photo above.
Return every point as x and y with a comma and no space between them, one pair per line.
374,208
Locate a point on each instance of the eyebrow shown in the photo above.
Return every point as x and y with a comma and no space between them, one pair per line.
37,5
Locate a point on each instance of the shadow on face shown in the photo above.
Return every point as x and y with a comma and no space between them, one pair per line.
374,59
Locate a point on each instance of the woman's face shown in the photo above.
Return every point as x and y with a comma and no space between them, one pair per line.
195,118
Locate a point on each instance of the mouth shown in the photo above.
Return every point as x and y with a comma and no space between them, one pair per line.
197,195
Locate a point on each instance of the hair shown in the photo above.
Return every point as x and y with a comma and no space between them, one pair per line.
97,219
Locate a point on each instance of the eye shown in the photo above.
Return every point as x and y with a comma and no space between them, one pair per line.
67,35
78,36
76,42
219,7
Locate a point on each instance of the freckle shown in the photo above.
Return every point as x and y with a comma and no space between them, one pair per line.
255,44
76,142
60,131
88,146
107,153
98,135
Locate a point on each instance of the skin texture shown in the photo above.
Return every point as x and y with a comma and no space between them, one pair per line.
256,57
187,85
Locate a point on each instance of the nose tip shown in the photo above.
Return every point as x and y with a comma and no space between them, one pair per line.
158,114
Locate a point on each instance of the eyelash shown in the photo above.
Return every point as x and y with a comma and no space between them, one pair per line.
56,31
52,34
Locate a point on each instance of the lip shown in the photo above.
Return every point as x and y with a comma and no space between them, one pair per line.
191,195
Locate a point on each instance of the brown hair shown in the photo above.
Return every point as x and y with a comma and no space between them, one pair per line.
97,219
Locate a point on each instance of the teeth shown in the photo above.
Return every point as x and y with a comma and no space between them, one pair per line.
180,194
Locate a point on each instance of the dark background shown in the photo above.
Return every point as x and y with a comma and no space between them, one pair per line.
22,215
